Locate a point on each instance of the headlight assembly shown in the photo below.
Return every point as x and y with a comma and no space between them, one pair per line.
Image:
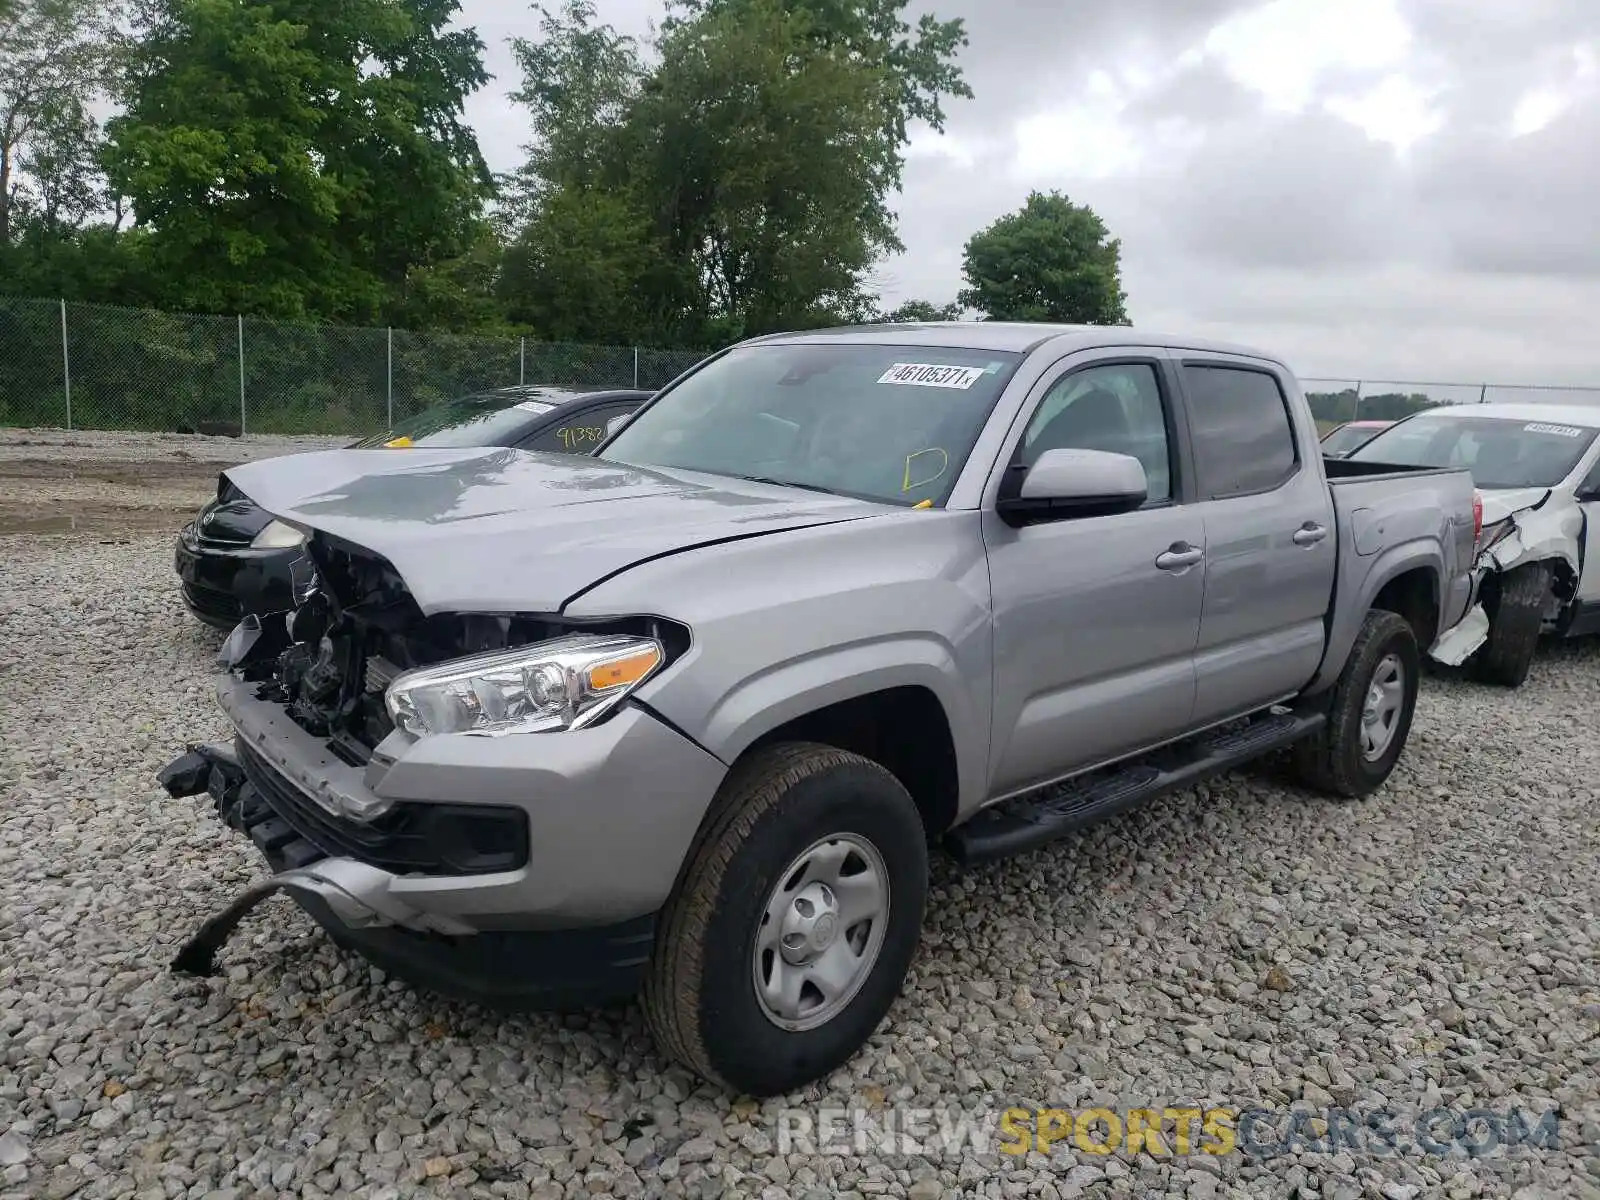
565,683
278,536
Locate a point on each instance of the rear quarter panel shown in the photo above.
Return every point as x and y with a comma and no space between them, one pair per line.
1388,525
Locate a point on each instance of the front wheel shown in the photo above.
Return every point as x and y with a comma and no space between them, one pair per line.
790,933
1370,714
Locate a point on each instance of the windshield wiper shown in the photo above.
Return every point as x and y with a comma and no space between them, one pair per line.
810,487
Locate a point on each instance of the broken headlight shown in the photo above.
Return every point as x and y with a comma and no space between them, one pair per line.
1492,534
278,535
566,683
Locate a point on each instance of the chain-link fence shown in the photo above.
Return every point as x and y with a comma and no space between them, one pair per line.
84,366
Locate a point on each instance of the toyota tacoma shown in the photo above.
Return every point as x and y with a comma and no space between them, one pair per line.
686,718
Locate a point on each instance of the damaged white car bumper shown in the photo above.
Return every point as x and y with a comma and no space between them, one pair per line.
1457,645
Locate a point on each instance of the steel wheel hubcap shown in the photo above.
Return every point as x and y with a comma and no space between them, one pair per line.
1380,715
820,932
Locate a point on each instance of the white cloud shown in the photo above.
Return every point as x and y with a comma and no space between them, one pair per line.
1397,111
1284,49
1338,180
1541,105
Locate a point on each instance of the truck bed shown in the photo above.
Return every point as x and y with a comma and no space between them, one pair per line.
1344,470
1389,516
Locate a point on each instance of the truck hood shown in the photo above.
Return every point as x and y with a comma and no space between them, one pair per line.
490,529
1500,503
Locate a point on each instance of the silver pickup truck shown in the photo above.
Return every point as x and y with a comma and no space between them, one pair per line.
687,717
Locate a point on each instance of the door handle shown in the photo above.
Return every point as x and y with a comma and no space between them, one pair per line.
1179,557
1310,534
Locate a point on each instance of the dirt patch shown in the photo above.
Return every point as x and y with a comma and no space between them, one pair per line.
182,473
39,496
112,485
119,485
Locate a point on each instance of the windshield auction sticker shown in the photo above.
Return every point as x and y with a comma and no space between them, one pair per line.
1559,430
932,375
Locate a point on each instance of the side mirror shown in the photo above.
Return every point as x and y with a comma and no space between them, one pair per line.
1076,483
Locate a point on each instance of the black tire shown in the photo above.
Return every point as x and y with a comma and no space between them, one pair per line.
700,996
1508,653
1333,760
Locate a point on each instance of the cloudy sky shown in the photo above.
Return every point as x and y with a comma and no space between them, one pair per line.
1377,189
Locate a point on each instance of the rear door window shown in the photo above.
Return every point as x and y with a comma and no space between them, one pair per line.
1243,438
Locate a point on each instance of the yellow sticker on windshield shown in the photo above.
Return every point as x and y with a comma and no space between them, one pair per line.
399,443
908,484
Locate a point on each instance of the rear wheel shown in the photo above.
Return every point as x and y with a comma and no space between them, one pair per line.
790,934
1508,653
1370,714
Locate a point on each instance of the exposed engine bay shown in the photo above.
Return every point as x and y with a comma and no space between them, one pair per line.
356,628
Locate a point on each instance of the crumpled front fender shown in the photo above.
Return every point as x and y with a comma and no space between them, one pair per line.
1537,534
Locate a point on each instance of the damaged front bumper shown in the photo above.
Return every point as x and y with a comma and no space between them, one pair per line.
356,893
1466,637
1460,643
523,870
358,906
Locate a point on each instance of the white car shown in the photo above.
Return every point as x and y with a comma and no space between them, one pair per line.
1537,470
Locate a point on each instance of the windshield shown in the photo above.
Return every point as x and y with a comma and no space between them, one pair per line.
1347,438
465,421
1501,452
888,423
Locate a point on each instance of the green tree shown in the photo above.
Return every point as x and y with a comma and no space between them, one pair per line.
61,164
1332,407
922,310
580,81
918,64
578,270
56,56
738,185
763,153
458,294
299,158
1052,260
1392,406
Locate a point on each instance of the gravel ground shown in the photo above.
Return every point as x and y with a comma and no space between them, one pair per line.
1239,944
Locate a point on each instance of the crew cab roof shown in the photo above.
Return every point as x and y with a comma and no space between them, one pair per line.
1019,337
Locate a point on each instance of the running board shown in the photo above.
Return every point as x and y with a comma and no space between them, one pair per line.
1040,817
